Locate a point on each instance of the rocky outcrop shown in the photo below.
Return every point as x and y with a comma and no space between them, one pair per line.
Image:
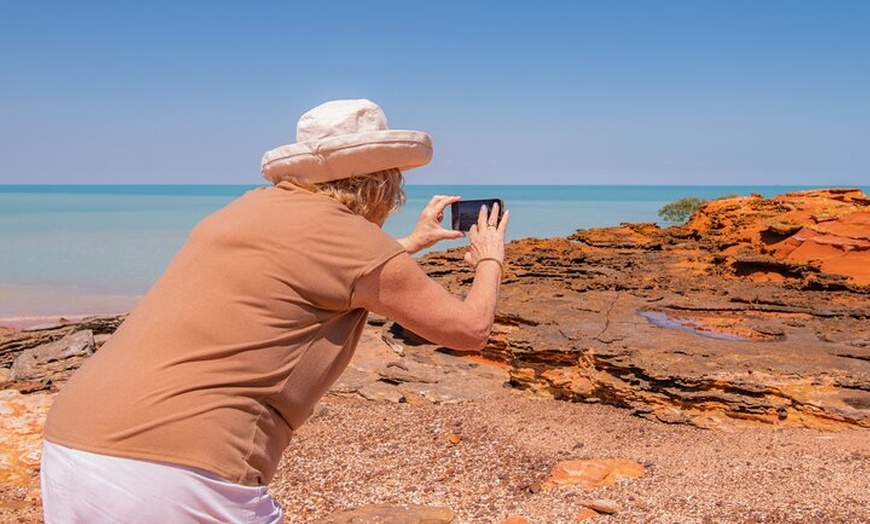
41,358
825,232
34,363
755,310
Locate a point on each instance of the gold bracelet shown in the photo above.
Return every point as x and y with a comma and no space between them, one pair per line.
497,261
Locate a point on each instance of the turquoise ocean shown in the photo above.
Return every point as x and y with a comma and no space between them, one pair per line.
85,249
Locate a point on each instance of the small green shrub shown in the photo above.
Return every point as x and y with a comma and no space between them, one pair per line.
679,211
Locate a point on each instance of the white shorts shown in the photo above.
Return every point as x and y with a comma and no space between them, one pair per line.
78,486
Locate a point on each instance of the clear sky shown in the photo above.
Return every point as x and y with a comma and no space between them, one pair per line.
764,92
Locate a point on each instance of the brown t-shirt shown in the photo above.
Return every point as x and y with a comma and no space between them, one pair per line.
232,348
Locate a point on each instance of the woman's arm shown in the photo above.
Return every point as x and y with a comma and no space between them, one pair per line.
401,291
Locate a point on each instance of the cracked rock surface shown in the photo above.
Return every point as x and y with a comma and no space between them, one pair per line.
756,310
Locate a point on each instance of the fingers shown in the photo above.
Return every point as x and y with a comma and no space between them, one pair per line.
439,203
487,236
429,229
482,218
434,210
444,200
491,219
502,226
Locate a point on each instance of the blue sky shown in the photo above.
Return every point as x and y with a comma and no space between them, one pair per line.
770,92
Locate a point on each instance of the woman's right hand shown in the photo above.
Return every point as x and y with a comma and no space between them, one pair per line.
487,236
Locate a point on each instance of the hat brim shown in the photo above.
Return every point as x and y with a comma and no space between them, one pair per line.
347,156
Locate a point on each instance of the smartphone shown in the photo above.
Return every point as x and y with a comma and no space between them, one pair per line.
464,213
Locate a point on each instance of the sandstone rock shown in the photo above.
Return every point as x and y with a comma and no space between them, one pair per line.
406,370
381,391
826,229
593,473
14,343
377,372
354,379
387,514
515,519
608,507
841,246
707,324
21,421
52,362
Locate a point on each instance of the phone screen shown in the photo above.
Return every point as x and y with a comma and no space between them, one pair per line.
464,213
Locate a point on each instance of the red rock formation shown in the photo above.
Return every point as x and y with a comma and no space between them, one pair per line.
827,230
756,310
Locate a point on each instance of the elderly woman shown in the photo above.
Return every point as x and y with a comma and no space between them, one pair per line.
182,416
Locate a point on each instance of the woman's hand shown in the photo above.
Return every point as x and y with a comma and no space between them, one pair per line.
401,291
428,230
487,237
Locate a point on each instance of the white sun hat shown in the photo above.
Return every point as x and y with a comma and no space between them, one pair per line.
345,138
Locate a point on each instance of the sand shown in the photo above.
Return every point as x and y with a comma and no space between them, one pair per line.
355,452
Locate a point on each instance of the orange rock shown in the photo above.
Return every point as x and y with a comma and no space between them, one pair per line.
515,519
23,417
453,438
593,473
571,380
605,506
840,246
826,228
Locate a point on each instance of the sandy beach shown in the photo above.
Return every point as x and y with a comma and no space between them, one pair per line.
486,460
357,452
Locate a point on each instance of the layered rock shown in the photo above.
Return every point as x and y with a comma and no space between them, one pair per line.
757,309
42,358
795,235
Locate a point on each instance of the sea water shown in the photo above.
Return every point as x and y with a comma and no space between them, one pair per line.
80,249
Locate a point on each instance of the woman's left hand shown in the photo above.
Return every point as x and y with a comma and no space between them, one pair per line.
429,230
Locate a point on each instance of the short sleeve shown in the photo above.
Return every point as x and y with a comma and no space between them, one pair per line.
323,259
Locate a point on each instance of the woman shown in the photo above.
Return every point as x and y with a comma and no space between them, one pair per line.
182,416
